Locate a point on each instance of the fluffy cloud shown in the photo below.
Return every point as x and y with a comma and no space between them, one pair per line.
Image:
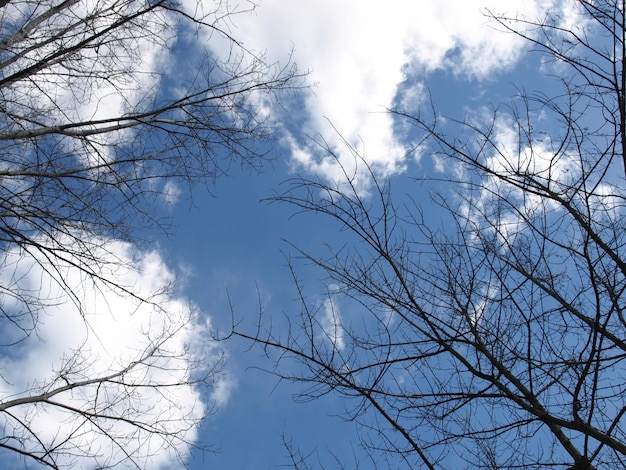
97,83
359,54
149,339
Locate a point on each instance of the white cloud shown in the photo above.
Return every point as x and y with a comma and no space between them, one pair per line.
501,209
223,389
99,83
330,323
171,192
360,52
99,332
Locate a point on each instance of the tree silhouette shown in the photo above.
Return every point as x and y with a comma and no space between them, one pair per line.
101,118
489,330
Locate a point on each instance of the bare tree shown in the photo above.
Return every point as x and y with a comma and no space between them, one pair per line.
105,107
489,329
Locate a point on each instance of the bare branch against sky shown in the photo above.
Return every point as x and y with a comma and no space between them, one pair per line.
106,107
483,327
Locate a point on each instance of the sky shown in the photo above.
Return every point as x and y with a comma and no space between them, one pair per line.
363,59
227,249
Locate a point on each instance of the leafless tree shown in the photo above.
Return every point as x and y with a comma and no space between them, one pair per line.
105,107
489,328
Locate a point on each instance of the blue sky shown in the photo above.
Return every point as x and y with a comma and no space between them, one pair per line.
362,60
228,247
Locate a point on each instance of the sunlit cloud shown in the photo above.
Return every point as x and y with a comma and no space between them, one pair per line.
360,53
111,80
100,330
